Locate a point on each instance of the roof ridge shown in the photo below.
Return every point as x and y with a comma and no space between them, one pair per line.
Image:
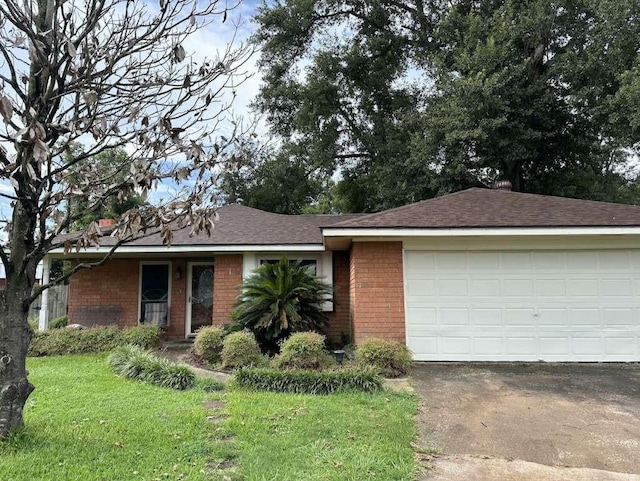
547,196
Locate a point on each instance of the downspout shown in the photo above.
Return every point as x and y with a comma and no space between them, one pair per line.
43,323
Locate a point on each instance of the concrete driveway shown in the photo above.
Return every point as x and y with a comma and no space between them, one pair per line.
521,422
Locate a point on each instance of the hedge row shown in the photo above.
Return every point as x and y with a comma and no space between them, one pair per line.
57,342
308,382
134,362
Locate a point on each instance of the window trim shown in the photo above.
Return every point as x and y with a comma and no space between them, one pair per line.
169,287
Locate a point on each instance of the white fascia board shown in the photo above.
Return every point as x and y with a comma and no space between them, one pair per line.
195,249
494,232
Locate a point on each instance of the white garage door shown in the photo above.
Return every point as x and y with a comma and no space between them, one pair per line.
581,305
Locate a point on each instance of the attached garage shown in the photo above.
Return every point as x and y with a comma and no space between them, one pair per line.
494,275
523,305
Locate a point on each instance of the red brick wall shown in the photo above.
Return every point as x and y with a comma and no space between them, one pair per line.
339,324
227,278
113,284
175,329
376,290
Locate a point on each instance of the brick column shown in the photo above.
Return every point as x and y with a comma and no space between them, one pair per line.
227,279
377,291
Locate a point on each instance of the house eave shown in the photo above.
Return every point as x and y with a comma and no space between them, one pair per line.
355,233
183,249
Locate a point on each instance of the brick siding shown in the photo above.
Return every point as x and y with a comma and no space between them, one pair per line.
227,278
376,291
339,325
113,284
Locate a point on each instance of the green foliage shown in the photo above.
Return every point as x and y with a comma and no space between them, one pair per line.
145,336
279,299
58,322
308,382
34,323
207,345
240,349
273,182
74,341
208,384
413,100
304,350
134,362
388,358
63,341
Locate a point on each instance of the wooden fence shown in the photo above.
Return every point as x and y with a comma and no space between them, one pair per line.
57,303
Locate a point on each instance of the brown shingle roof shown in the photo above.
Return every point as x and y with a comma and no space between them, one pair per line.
498,208
241,225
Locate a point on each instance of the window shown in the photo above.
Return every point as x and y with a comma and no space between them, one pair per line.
154,293
311,264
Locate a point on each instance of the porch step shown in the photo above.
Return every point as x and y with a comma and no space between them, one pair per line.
180,345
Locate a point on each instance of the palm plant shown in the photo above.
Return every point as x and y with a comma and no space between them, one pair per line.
281,298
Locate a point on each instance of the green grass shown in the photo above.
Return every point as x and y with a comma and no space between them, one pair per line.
337,437
83,423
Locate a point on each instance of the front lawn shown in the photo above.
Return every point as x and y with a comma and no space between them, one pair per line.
338,437
84,423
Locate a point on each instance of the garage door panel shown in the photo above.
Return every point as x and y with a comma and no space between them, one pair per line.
523,306
616,287
485,317
525,346
515,261
484,288
549,317
613,317
544,261
454,345
545,287
452,287
519,317
554,346
613,261
625,346
421,287
453,316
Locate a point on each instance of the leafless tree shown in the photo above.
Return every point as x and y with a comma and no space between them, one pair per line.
107,73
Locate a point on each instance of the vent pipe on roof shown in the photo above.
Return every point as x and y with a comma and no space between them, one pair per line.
502,185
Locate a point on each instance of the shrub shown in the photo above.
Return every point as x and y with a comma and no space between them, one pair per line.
279,299
58,342
309,382
208,344
388,358
208,384
58,322
240,349
304,350
134,362
145,336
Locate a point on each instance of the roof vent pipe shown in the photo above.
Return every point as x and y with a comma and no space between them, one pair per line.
502,185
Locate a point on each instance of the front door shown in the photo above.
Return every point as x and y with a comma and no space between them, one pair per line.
199,297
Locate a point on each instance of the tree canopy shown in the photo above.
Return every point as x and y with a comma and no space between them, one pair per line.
407,100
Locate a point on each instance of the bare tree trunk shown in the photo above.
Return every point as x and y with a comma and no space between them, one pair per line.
15,336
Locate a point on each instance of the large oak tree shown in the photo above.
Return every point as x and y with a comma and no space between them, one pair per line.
109,74
409,99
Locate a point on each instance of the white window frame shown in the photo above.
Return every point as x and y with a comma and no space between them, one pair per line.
324,265
169,286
